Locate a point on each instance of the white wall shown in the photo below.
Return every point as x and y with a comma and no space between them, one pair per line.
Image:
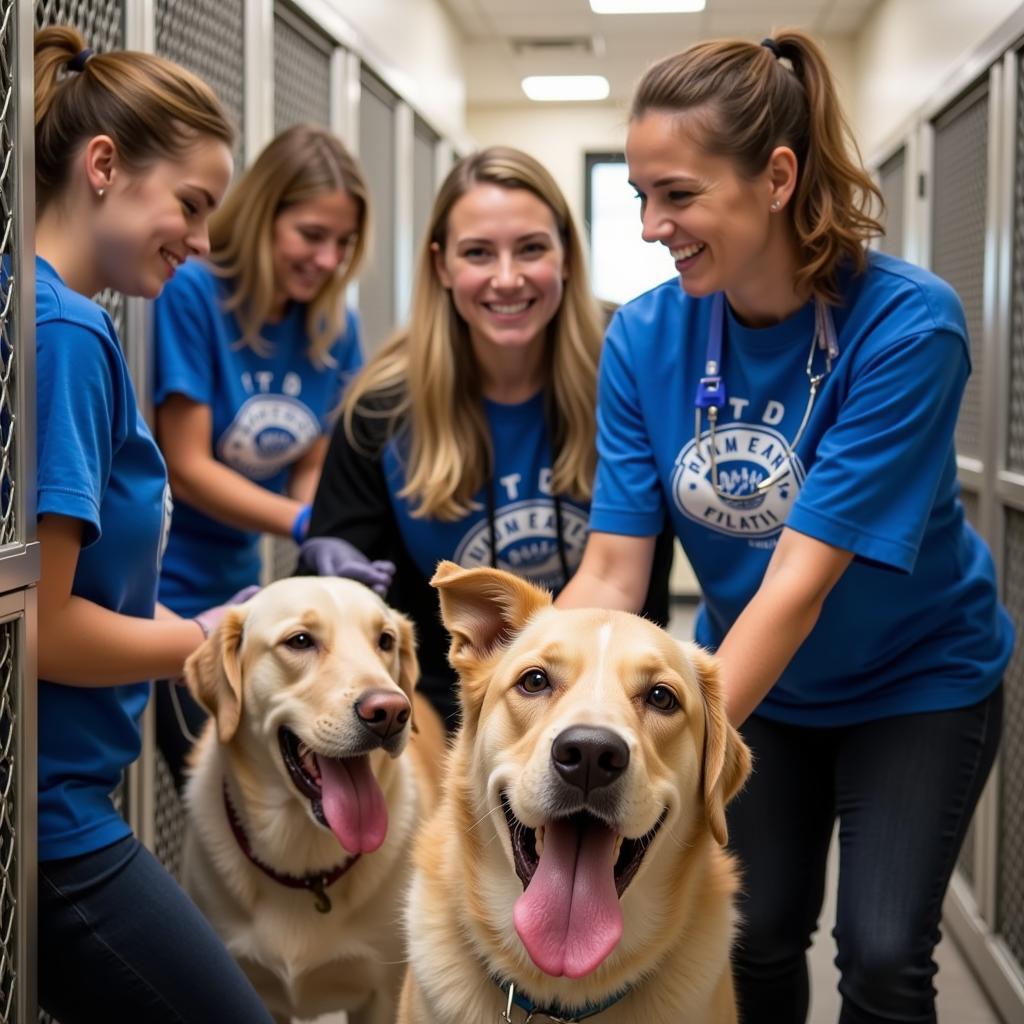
413,45
559,134
906,51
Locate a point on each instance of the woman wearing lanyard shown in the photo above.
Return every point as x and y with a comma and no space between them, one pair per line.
470,435
793,404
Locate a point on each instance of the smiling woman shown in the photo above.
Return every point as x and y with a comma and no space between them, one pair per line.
132,156
470,436
253,349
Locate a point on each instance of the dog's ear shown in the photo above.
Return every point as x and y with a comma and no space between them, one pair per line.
214,676
483,609
726,762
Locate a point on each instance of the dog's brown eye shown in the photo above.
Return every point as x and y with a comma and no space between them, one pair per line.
300,642
386,642
662,698
534,681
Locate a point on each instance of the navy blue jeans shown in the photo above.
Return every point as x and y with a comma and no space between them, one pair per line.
904,790
119,941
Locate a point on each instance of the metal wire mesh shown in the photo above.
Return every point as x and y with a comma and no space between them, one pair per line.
1011,795
891,178
966,860
284,558
1015,425
958,237
9,909
168,816
379,156
206,36
302,72
8,305
102,24
100,21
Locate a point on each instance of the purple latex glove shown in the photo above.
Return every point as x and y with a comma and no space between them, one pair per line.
210,618
332,556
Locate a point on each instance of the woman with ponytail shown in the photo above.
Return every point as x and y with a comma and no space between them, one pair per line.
132,155
791,401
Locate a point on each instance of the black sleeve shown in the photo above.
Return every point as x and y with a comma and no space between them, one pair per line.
352,502
656,604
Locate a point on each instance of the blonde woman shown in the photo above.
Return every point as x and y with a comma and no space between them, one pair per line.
470,435
253,347
132,154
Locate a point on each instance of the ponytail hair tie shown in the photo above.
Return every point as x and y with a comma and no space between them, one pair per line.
77,63
770,44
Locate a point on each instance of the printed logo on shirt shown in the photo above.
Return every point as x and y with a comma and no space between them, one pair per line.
269,433
526,534
745,455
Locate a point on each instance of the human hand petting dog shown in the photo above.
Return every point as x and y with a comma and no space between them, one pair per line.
332,556
209,619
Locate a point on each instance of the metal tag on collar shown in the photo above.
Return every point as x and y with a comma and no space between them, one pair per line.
318,887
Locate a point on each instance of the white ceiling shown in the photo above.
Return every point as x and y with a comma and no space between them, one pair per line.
621,45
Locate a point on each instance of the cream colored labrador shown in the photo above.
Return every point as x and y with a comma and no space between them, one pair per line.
575,867
301,802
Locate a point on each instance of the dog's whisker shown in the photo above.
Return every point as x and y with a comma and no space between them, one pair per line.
486,814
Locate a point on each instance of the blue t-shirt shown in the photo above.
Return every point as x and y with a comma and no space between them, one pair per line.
97,462
525,521
267,409
914,623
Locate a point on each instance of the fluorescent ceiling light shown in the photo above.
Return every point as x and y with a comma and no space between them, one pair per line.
646,6
556,88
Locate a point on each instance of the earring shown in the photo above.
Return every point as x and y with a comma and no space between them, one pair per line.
99,193
775,206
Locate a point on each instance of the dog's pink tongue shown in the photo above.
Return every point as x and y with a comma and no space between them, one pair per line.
353,802
569,918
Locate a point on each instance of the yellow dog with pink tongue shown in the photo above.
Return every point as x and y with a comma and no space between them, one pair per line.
574,868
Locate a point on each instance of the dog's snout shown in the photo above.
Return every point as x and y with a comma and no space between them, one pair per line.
588,757
383,712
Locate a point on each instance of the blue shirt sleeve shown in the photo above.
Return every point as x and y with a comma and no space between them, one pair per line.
350,348
627,495
348,355
183,334
873,485
82,420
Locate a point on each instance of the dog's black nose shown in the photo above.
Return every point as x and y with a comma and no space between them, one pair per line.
383,712
589,757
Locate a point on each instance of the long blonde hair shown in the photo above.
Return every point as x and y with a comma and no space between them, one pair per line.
424,382
302,163
753,103
149,106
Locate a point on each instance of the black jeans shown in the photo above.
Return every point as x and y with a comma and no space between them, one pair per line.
904,790
121,943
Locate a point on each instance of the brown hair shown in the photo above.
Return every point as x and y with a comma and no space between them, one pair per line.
149,106
749,102
427,377
302,163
